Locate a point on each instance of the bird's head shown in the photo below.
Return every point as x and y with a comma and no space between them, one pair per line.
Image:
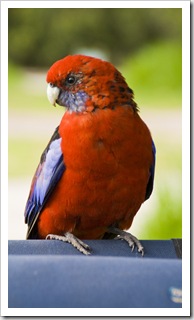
82,84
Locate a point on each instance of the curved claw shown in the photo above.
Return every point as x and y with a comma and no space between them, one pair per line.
73,240
129,238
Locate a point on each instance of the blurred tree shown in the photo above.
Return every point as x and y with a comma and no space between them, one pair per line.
37,37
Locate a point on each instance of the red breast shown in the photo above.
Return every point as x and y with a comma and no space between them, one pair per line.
108,155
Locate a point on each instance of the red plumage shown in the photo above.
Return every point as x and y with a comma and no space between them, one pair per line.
107,150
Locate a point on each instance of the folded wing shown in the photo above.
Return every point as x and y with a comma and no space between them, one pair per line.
47,175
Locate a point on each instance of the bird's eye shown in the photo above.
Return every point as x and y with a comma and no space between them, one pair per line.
70,80
51,85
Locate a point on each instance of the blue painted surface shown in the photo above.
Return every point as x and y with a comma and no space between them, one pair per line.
52,274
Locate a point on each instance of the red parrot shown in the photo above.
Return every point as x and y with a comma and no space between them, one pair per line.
98,167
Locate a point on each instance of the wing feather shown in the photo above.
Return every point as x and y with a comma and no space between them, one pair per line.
152,171
47,175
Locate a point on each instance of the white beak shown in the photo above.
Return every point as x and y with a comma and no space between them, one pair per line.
52,93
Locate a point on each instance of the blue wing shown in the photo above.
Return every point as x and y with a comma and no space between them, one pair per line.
47,175
152,171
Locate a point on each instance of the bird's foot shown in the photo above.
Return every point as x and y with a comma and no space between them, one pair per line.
70,238
129,238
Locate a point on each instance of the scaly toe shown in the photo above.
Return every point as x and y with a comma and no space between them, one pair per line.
74,241
129,238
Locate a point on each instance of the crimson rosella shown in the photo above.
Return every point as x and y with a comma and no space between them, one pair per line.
98,167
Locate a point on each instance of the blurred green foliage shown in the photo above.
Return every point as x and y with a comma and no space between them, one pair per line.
155,74
166,223
22,94
23,159
38,37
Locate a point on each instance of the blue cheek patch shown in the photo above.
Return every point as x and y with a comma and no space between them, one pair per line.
75,102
